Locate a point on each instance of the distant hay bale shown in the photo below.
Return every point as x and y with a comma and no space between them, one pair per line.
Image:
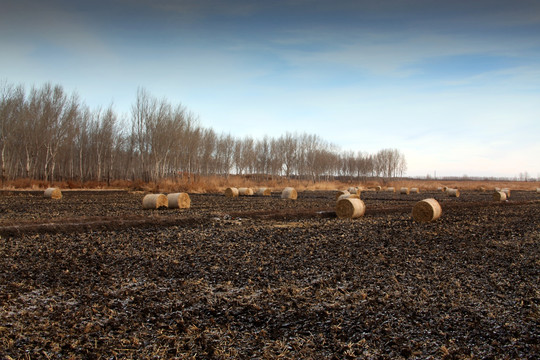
404,191
452,192
499,196
538,190
349,196
444,188
53,193
439,188
263,192
415,190
426,210
231,192
245,191
342,192
391,189
289,193
179,201
155,201
506,191
497,189
350,208
354,190
378,188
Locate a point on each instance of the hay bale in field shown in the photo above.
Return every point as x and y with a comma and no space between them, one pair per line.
444,188
155,201
506,191
349,196
289,193
378,188
404,191
245,191
354,190
426,210
538,190
179,201
263,192
342,192
231,192
391,189
350,208
499,196
452,192
53,193
415,190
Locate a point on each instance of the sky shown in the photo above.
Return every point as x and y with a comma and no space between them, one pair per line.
453,85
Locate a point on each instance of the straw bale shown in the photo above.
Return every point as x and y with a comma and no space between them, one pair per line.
354,190
499,196
350,208
231,192
506,191
349,196
263,192
453,192
538,190
426,210
53,193
415,190
404,190
179,201
342,192
289,193
155,201
391,189
245,191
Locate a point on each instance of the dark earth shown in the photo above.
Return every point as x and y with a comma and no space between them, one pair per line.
94,276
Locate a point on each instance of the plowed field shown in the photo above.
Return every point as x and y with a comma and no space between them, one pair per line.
94,276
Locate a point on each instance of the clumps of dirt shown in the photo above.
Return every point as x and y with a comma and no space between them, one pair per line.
243,284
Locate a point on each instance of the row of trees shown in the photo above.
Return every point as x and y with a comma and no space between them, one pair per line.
47,134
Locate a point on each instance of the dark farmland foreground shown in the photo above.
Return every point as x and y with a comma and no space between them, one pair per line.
94,276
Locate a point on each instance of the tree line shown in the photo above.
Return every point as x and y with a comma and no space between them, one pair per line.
48,134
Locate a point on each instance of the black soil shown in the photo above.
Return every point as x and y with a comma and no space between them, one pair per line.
93,276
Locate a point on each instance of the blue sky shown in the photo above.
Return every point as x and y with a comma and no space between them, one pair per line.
454,85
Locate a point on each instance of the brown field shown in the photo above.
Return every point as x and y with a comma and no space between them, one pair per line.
94,276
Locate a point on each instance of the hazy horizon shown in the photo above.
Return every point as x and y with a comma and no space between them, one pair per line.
454,86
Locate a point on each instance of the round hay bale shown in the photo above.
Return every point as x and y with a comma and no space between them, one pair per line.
452,192
391,189
499,196
378,188
444,188
263,192
343,192
53,193
350,208
404,191
538,190
155,201
415,190
349,196
426,210
506,191
245,191
354,190
231,192
179,201
289,193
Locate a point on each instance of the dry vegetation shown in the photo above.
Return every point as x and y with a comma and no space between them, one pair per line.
217,184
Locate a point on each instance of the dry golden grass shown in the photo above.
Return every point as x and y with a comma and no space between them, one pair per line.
218,184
